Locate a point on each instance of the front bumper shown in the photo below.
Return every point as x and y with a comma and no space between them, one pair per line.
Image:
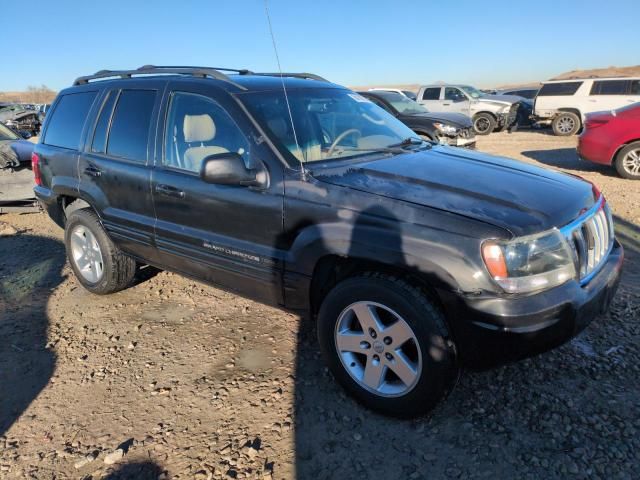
461,142
493,330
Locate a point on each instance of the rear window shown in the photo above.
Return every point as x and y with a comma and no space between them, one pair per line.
431,94
129,134
559,89
610,87
66,122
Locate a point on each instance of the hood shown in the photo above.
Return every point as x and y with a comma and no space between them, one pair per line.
507,99
458,120
23,149
518,197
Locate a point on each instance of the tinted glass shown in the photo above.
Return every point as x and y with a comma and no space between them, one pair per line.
198,127
609,87
559,89
129,132
635,87
100,135
67,120
453,94
431,94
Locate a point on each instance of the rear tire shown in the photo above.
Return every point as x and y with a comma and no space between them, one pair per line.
396,326
566,124
627,161
98,264
484,123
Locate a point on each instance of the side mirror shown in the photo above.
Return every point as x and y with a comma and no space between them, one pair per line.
229,169
24,134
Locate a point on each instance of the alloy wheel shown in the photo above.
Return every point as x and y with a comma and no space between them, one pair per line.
86,254
631,162
566,125
378,349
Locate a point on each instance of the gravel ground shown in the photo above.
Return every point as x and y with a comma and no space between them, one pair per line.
175,379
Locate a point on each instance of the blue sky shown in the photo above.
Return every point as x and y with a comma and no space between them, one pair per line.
350,42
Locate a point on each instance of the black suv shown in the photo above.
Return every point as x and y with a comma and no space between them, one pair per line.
415,258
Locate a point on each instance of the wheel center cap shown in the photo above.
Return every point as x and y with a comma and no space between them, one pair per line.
378,346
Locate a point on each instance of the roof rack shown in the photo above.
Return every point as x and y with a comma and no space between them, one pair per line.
308,76
160,70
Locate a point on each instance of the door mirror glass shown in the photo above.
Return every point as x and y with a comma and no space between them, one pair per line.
229,169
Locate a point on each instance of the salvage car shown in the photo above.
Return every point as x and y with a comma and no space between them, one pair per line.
453,129
488,112
21,119
405,93
414,258
16,177
613,138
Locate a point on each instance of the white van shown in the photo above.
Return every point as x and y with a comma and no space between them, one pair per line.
565,103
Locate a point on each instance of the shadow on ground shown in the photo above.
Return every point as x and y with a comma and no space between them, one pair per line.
146,470
567,158
30,269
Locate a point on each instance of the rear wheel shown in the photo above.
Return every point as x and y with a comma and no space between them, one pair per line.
387,344
99,265
566,124
484,123
627,161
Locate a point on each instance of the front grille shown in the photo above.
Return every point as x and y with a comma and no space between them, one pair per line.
591,239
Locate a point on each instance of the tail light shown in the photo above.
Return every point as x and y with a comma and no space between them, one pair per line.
35,166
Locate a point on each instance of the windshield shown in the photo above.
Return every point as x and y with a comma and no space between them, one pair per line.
6,134
472,91
329,123
402,104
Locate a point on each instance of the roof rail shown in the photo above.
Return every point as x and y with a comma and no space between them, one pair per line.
308,76
159,70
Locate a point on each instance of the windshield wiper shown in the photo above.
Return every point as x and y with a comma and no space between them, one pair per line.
407,142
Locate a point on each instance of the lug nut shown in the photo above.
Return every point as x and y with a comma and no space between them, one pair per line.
389,356
373,333
387,340
365,345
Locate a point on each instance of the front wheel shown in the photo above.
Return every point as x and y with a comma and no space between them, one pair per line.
99,265
387,344
627,161
566,124
484,123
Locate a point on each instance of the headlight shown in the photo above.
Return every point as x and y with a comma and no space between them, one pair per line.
446,129
530,263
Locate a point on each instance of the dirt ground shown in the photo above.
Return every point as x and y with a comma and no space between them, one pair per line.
192,382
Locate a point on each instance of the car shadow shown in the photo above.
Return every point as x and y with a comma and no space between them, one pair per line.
142,470
30,270
567,158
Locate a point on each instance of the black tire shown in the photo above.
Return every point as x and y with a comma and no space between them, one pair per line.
439,367
118,269
627,161
566,124
484,123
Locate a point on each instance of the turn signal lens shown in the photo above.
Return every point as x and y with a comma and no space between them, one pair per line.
494,259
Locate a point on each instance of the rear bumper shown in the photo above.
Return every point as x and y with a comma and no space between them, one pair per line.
595,147
493,330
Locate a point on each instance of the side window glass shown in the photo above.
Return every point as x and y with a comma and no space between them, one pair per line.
198,127
67,120
100,134
129,133
635,87
453,94
431,94
609,87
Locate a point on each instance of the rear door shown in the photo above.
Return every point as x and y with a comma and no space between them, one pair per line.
225,234
114,167
430,98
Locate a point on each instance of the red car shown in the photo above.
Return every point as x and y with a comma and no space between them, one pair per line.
613,138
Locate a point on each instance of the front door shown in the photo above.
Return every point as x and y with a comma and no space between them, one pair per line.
114,167
224,234
455,101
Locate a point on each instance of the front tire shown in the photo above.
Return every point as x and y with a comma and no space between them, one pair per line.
566,124
484,123
98,264
627,161
387,344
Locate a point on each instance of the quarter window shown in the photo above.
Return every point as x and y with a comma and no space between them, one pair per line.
559,89
67,120
431,94
129,134
198,127
100,134
635,87
610,87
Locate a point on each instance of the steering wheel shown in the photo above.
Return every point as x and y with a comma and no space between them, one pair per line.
341,137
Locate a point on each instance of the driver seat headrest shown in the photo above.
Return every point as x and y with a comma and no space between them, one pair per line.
198,128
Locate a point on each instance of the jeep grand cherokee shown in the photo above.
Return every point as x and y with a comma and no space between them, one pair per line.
415,258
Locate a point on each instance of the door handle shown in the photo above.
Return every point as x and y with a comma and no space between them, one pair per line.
93,171
169,191
446,104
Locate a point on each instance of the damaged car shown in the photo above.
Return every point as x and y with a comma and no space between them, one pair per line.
21,119
16,176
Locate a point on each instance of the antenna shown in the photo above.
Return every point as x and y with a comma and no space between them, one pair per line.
284,89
